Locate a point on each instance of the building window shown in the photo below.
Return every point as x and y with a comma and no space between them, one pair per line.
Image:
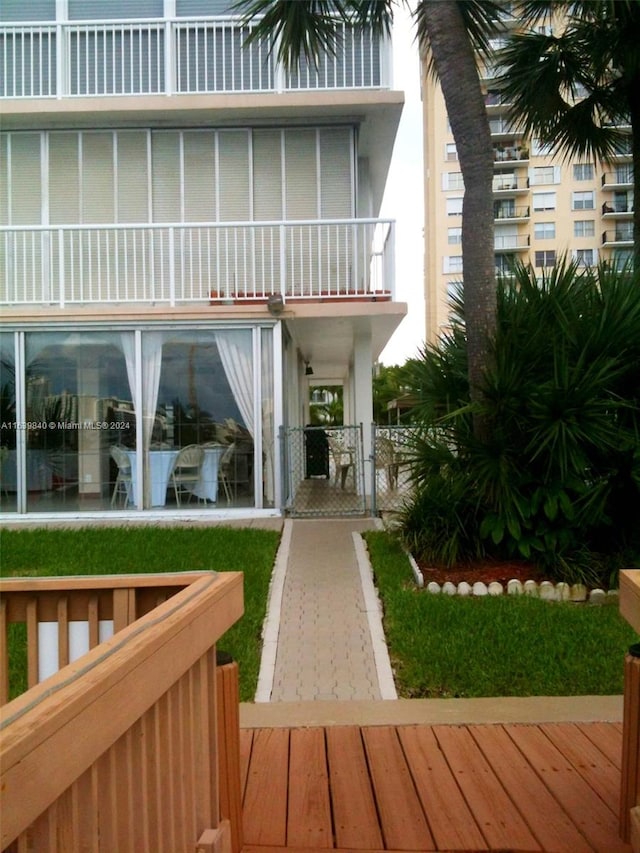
622,259
545,230
539,148
585,257
584,228
583,172
545,258
454,235
454,207
452,181
544,201
453,263
583,200
451,152
545,175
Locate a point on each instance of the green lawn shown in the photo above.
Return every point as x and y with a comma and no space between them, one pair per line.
29,553
443,646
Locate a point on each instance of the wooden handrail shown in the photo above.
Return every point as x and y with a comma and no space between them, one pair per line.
630,771
121,745
103,603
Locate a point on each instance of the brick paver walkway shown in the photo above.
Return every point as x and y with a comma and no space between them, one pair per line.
324,646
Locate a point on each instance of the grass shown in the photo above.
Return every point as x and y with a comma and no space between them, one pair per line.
444,646
88,551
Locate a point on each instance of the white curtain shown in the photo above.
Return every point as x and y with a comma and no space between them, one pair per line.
236,355
267,412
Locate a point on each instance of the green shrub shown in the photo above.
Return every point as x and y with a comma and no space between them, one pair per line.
558,479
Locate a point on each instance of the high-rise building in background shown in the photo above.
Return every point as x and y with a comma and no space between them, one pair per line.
545,206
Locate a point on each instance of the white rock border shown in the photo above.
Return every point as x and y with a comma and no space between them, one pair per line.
545,590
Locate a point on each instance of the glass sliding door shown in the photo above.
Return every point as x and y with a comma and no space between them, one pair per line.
78,403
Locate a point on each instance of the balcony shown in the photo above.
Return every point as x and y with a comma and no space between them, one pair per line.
621,178
200,262
504,213
503,127
510,183
618,209
173,56
511,243
618,237
505,154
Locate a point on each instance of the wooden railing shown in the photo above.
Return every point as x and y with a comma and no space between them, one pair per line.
630,789
119,749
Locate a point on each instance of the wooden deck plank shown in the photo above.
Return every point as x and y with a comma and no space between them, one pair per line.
404,826
594,767
266,797
450,820
548,822
355,817
501,823
607,737
592,817
309,815
246,742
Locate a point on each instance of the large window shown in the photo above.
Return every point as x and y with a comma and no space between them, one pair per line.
583,172
545,230
546,258
544,201
584,228
108,415
583,200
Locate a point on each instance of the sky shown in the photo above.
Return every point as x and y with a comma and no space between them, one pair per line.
403,199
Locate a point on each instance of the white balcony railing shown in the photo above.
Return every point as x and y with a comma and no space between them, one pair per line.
197,262
173,56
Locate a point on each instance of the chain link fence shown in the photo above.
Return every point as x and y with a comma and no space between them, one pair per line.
391,483
323,471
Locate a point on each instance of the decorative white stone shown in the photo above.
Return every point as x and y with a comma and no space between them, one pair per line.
432,586
547,591
495,588
531,588
578,592
464,588
597,596
563,591
479,588
449,588
613,593
514,587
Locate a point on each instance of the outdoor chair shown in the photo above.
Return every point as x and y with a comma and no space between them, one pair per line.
225,470
185,474
342,460
123,485
386,459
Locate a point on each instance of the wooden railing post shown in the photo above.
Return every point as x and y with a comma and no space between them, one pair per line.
227,696
630,771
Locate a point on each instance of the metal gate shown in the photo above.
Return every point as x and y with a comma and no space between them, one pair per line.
323,471
391,453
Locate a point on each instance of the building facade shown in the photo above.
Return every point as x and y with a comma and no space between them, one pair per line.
185,226
545,206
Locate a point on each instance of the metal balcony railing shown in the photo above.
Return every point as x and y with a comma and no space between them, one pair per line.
509,183
618,237
510,243
511,213
174,56
196,262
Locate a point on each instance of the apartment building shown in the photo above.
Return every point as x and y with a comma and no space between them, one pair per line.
545,206
185,227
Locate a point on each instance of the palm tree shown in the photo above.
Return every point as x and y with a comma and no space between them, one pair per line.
449,35
573,89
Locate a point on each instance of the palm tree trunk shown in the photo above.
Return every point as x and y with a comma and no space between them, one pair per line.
455,64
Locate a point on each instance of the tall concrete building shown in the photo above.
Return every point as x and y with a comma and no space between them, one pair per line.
544,206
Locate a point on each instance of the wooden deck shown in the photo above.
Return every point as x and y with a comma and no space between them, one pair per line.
544,787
